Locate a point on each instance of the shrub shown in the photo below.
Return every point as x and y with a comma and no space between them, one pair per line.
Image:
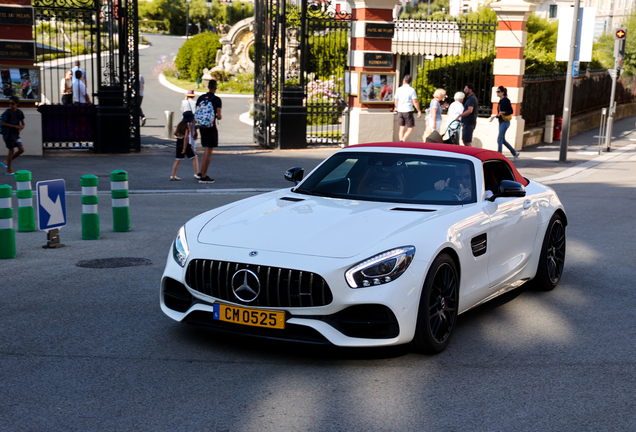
196,54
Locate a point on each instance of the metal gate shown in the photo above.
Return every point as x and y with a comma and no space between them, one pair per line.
448,55
102,36
300,61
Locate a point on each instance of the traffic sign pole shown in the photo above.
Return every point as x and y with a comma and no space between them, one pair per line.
619,52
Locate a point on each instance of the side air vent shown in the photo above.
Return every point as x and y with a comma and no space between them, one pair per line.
292,199
412,209
478,244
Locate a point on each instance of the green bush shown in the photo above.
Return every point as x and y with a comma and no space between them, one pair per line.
196,54
328,53
153,26
242,83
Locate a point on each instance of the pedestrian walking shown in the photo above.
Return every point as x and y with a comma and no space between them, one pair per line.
207,114
405,99
456,108
79,89
139,96
469,117
504,114
12,125
185,145
66,87
435,110
189,104
78,68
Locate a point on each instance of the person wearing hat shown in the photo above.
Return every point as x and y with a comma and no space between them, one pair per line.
185,145
188,104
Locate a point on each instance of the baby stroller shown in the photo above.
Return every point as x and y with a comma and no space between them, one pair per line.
451,136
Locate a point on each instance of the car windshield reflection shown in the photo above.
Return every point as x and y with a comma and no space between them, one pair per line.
403,178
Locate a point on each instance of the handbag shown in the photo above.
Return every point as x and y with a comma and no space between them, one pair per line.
506,117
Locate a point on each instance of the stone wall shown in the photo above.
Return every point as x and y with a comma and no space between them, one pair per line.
581,123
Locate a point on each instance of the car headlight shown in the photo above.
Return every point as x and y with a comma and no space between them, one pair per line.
380,269
180,250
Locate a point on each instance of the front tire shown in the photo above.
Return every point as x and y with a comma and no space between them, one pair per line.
552,257
437,314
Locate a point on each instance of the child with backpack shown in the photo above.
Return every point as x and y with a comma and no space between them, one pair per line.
185,145
12,125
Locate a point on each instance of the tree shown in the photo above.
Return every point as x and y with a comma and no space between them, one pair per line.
173,13
604,48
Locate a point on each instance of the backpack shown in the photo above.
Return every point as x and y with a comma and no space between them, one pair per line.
204,114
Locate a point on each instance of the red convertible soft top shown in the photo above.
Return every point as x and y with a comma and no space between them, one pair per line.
479,153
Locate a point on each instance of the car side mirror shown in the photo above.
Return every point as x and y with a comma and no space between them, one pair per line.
295,174
509,189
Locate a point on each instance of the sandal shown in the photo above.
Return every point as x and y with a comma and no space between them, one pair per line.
174,178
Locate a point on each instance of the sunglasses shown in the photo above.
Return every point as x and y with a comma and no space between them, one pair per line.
11,103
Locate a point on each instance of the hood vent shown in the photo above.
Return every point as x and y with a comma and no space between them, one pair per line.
292,199
412,209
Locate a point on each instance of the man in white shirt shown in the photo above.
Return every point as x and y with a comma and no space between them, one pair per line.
79,89
405,98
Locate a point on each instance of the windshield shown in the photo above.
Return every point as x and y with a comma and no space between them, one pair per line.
402,178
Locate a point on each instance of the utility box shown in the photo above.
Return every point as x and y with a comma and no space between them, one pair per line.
292,120
112,131
548,131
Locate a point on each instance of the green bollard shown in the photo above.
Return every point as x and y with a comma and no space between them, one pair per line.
26,214
7,232
90,215
121,203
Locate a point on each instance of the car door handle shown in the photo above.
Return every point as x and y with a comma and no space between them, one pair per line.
527,204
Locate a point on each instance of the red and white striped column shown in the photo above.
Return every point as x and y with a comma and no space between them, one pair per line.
509,66
370,54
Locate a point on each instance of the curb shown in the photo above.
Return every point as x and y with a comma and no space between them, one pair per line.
177,89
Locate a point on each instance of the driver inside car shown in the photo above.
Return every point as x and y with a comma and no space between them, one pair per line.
461,184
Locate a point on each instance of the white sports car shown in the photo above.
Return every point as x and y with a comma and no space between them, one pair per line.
381,244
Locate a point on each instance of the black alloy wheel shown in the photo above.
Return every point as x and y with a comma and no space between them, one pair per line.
552,259
437,315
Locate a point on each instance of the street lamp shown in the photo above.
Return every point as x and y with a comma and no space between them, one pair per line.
230,14
209,5
188,18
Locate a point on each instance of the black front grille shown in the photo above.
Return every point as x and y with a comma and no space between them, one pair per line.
280,287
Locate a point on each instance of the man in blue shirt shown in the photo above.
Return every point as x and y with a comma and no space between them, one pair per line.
76,68
468,118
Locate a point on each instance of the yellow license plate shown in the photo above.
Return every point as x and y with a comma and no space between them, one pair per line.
250,317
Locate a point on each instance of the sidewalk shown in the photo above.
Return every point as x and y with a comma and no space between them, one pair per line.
249,169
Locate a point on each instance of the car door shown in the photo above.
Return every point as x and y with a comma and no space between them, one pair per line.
513,228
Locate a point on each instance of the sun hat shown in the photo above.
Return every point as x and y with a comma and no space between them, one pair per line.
190,93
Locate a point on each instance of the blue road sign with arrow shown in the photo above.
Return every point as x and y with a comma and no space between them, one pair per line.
51,204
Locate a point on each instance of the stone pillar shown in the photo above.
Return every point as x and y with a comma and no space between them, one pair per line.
509,66
370,53
16,24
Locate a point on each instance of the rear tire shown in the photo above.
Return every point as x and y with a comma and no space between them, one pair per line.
552,257
437,314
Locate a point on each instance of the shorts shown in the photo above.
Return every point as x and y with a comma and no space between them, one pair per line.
209,137
406,119
189,151
467,132
13,143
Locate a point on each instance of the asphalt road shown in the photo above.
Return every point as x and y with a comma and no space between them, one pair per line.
89,349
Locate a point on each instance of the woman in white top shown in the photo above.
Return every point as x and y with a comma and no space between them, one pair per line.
456,108
66,87
188,104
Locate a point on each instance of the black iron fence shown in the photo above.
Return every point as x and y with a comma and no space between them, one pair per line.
448,55
543,94
328,45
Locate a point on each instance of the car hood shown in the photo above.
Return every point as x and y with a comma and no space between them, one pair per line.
326,227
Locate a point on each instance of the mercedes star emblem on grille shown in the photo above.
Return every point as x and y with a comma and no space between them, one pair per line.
246,285
253,253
